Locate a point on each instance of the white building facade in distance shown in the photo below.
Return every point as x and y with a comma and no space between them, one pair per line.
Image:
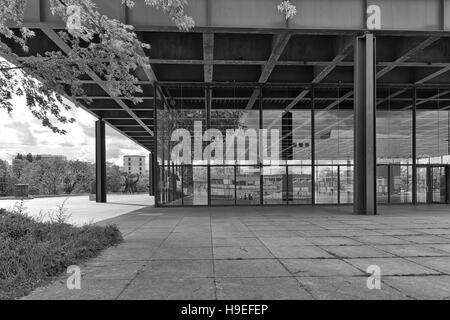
133,164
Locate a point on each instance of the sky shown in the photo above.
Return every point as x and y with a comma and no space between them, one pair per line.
22,133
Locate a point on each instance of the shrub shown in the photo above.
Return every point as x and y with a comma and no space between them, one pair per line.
33,252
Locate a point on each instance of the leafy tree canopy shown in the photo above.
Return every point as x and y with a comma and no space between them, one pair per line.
100,44
106,46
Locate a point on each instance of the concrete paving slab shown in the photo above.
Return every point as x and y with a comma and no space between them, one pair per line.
320,268
347,288
236,242
260,289
425,239
298,252
285,241
263,253
112,270
175,253
360,251
126,254
412,250
91,289
385,239
249,268
441,264
169,289
423,288
392,266
178,269
242,252
333,241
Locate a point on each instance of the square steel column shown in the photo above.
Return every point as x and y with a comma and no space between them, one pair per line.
100,161
151,173
365,126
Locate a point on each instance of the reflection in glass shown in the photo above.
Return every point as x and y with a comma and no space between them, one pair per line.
326,184
274,178
382,184
401,184
433,126
248,185
195,185
222,185
394,126
301,181
346,184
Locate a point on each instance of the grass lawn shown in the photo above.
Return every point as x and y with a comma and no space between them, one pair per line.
33,252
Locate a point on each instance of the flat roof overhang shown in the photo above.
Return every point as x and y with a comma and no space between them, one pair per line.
249,43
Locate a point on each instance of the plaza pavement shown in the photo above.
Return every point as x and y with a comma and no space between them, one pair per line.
269,253
80,209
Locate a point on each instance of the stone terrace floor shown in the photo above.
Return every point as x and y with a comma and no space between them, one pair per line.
270,253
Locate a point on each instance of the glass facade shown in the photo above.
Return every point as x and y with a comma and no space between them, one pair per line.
292,145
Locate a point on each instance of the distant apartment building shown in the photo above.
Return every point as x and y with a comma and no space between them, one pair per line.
51,157
134,164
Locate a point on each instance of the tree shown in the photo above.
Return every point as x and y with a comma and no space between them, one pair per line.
31,175
78,175
7,179
29,157
18,165
106,46
51,175
287,9
113,178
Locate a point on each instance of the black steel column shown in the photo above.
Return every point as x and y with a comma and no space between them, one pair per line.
100,161
313,148
447,175
208,99
414,147
151,174
260,151
364,124
156,175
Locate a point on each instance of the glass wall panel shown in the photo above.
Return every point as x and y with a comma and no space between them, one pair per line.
333,137
394,125
333,126
180,125
247,185
195,185
346,184
234,126
222,185
301,179
326,184
382,184
400,184
275,183
433,126
422,187
290,120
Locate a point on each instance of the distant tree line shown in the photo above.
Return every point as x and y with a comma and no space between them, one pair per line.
53,176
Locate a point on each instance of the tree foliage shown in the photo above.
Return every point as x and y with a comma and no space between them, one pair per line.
100,44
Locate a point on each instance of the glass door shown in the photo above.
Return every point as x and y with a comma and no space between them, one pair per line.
438,184
432,184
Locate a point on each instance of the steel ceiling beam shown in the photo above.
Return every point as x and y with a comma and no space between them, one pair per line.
278,46
51,34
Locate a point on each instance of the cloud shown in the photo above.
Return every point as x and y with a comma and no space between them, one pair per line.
67,144
23,132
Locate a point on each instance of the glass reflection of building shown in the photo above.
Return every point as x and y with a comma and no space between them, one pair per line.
315,145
